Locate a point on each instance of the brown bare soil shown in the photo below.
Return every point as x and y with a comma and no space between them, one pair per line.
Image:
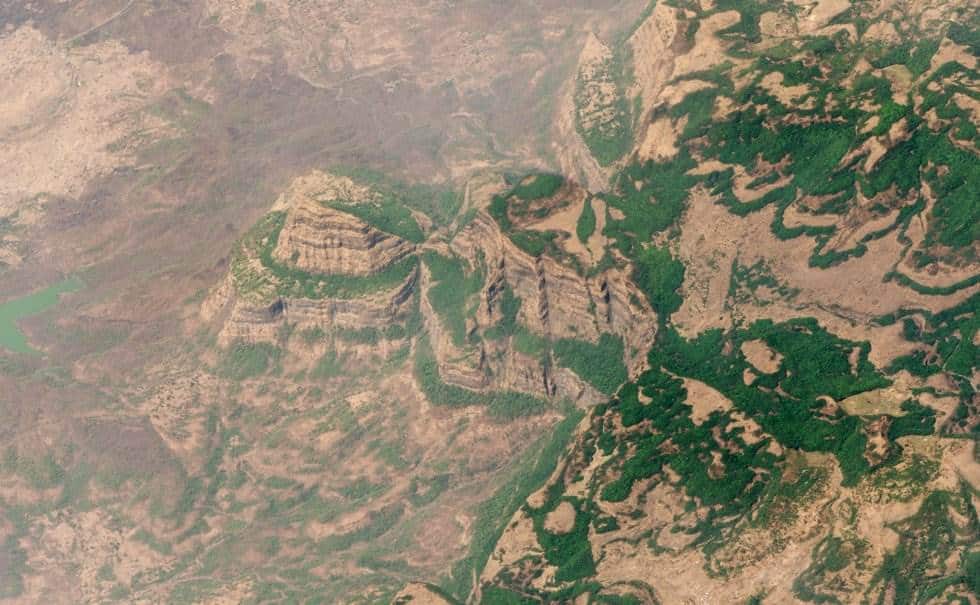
761,356
704,400
561,520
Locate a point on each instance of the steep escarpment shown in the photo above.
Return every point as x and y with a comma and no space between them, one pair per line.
545,245
765,318
515,299
244,320
510,313
558,300
309,267
728,355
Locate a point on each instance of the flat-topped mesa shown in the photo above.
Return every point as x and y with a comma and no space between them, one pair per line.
314,266
320,239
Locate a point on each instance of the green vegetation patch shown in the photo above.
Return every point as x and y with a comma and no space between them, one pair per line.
603,115
247,360
748,281
600,364
14,565
734,491
508,305
659,275
815,363
907,479
537,243
329,365
531,201
585,226
570,551
379,523
531,472
971,572
951,335
733,478
503,405
495,595
451,293
801,157
11,338
808,142
388,215
750,11
529,343
914,571
438,203
831,556
652,197
538,186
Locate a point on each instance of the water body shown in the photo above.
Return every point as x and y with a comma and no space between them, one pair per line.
11,337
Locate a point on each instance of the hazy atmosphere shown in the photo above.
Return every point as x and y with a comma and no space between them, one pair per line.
510,302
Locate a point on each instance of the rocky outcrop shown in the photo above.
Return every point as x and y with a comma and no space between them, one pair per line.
520,372
243,320
654,47
320,239
252,305
525,373
557,301
259,298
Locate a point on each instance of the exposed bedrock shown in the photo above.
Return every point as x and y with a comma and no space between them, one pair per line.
320,239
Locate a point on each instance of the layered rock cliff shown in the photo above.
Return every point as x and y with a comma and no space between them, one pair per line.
320,239
312,267
559,301
242,320
526,303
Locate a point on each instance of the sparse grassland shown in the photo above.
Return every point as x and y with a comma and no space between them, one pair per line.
917,570
248,360
533,469
603,113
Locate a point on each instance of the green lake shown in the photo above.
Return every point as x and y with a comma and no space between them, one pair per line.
11,337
